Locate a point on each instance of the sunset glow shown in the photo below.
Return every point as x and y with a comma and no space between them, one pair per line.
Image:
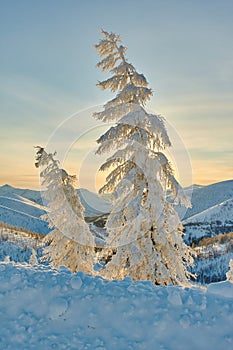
47,71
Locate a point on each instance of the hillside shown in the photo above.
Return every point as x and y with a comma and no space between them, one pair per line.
223,213
18,245
213,257
32,195
93,204
211,222
206,197
21,212
23,208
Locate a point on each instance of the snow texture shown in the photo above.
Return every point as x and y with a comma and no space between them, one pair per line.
42,308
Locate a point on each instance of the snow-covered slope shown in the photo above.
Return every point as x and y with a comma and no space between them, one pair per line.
205,197
17,245
92,203
33,195
23,207
20,204
21,212
25,204
23,220
210,222
41,308
222,212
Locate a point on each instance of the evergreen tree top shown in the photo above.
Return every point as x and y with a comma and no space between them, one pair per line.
126,79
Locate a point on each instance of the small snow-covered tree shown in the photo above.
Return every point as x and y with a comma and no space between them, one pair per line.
229,273
143,228
70,242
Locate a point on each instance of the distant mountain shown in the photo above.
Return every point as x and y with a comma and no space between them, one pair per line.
33,195
211,213
21,212
93,204
23,207
205,197
221,213
210,222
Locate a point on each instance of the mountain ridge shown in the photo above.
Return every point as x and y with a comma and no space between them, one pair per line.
25,203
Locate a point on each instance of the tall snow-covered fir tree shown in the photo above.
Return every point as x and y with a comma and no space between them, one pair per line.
70,242
143,228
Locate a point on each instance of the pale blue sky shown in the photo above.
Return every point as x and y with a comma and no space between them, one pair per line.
47,72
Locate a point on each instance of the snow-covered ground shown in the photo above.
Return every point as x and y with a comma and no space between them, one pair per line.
32,195
42,309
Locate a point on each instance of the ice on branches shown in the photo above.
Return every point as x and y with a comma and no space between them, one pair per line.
70,242
144,232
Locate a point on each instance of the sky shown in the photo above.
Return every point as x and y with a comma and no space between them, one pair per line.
48,73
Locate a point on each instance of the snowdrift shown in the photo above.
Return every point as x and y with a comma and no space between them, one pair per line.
42,308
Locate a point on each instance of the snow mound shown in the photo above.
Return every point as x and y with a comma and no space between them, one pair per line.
222,288
42,308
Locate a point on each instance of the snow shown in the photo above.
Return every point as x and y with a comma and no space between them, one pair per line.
212,267
23,208
196,230
213,220
222,289
93,204
212,201
221,212
42,308
32,195
22,212
205,197
19,246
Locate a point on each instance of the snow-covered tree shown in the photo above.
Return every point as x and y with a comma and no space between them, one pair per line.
33,258
70,242
229,273
144,231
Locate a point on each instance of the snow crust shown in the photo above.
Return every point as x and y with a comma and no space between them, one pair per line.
42,308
